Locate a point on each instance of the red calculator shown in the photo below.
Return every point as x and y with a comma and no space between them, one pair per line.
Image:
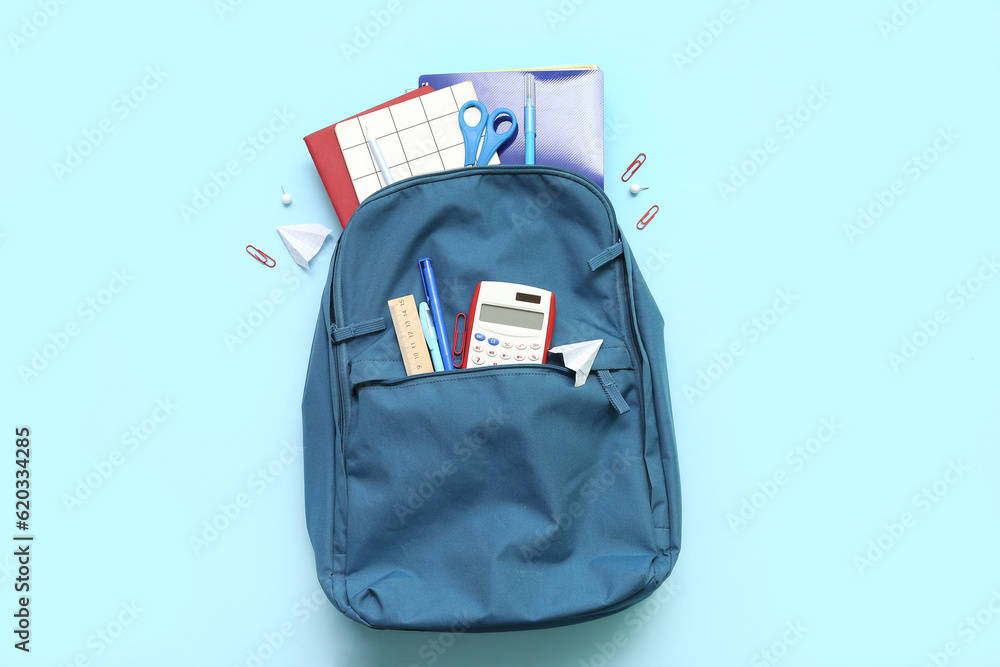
510,324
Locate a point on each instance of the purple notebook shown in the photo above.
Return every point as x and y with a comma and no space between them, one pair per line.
569,114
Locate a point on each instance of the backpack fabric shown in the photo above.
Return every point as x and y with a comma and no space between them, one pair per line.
491,498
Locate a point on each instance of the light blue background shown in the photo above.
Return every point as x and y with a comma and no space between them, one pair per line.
713,263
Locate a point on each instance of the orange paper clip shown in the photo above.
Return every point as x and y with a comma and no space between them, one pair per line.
647,217
634,167
261,256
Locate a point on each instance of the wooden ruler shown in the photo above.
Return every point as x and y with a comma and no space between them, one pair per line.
410,335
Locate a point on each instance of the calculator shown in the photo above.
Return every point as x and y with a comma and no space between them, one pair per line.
510,324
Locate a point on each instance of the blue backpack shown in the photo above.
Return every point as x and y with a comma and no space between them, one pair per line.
497,497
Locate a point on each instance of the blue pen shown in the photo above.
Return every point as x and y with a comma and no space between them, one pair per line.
431,292
529,118
430,336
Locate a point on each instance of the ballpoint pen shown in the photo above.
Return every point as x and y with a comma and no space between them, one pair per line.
437,318
380,160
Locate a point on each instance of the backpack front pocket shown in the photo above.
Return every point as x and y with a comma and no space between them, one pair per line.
492,491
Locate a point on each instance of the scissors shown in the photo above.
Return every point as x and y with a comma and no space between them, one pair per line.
488,122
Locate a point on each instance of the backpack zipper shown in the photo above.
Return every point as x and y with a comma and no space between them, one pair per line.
478,370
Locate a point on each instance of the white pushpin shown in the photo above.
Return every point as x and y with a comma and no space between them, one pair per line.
635,187
286,198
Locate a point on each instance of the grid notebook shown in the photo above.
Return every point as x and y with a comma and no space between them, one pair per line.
418,136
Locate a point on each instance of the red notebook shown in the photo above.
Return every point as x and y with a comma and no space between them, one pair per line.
329,160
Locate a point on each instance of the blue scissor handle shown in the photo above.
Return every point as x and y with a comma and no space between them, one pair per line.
494,140
472,133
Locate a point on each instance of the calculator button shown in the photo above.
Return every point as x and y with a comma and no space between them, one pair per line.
533,357
536,346
493,341
521,346
507,344
504,356
518,357
477,348
480,336
491,353
478,360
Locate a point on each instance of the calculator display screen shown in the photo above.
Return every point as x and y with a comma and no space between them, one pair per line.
513,317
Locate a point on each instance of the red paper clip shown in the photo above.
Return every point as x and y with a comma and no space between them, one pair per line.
260,256
647,218
456,351
634,167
